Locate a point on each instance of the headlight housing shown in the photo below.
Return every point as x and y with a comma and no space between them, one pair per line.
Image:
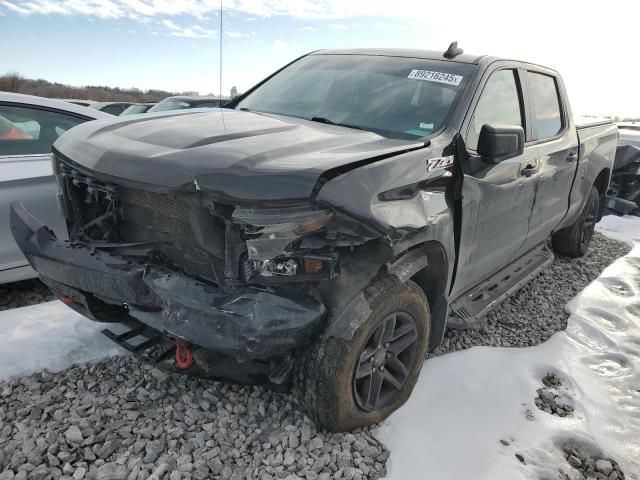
269,234
297,220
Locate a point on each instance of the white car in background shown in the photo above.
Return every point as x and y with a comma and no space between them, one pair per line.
28,127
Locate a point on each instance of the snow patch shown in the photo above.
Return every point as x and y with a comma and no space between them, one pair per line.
49,335
473,411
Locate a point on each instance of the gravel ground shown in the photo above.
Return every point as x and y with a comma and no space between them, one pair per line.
590,464
119,419
21,294
536,312
549,400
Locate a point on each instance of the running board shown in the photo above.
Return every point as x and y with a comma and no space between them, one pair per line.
471,307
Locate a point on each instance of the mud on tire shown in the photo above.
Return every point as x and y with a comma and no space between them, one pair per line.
574,241
326,380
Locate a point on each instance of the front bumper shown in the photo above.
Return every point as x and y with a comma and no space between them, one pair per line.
248,324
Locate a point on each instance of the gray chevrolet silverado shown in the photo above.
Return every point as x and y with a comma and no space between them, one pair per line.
326,227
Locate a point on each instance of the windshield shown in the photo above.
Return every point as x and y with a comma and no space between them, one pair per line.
131,109
165,105
392,96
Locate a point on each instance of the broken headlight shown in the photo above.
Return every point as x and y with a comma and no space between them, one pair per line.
287,220
269,234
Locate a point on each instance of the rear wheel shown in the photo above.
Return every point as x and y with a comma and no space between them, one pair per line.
574,241
349,383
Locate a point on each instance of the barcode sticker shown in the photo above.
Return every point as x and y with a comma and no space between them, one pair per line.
439,77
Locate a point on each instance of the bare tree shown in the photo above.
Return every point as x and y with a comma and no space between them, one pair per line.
15,82
11,82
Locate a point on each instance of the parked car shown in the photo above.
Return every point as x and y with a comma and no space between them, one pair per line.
113,108
84,103
629,136
328,225
624,190
137,108
28,127
182,102
635,126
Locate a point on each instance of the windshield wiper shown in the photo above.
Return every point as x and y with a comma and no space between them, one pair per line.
331,122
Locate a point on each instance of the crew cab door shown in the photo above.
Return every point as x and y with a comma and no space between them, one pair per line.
497,198
555,144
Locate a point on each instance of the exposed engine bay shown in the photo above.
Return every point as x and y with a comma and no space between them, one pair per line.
191,233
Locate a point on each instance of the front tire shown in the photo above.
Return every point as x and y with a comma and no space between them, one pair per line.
346,384
574,241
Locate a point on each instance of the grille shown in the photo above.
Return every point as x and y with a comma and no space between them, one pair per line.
149,216
132,215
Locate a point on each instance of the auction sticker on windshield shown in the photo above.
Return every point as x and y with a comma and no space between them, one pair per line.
439,77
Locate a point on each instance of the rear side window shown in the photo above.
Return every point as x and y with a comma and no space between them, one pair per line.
546,103
499,104
30,131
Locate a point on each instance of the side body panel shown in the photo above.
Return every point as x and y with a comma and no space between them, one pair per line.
557,159
495,222
409,206
409,219
596,154
496,201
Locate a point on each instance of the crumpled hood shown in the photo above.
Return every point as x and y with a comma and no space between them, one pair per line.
234,154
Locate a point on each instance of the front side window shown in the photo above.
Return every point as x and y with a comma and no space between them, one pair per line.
546,102
396,97
30,131
499,104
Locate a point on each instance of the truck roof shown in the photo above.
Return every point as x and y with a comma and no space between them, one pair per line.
427,55
403,52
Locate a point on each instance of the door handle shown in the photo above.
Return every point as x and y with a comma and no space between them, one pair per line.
529,170
572,156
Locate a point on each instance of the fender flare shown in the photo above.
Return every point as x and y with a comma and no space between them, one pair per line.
426,265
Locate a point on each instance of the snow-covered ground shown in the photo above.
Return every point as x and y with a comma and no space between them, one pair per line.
466,402
49,335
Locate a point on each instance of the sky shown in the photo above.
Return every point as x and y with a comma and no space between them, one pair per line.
175,44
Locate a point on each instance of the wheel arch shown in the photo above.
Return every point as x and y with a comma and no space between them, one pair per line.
427,265
601,182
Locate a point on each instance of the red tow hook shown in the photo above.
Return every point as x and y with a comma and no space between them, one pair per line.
67,299
184,355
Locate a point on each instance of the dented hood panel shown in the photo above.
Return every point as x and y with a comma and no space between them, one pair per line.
233,154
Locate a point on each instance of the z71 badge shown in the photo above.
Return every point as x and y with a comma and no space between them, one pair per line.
438,163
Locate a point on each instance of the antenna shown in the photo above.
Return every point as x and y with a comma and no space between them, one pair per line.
224,125
220,90
453,51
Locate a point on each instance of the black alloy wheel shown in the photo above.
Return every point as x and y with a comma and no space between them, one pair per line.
385,362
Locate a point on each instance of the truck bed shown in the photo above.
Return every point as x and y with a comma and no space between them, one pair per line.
589,122
597,136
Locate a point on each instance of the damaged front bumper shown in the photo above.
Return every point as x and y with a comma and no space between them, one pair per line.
245,323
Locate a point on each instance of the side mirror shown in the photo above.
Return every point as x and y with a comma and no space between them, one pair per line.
500,142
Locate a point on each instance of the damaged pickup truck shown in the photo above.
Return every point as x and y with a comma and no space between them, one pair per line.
324,228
